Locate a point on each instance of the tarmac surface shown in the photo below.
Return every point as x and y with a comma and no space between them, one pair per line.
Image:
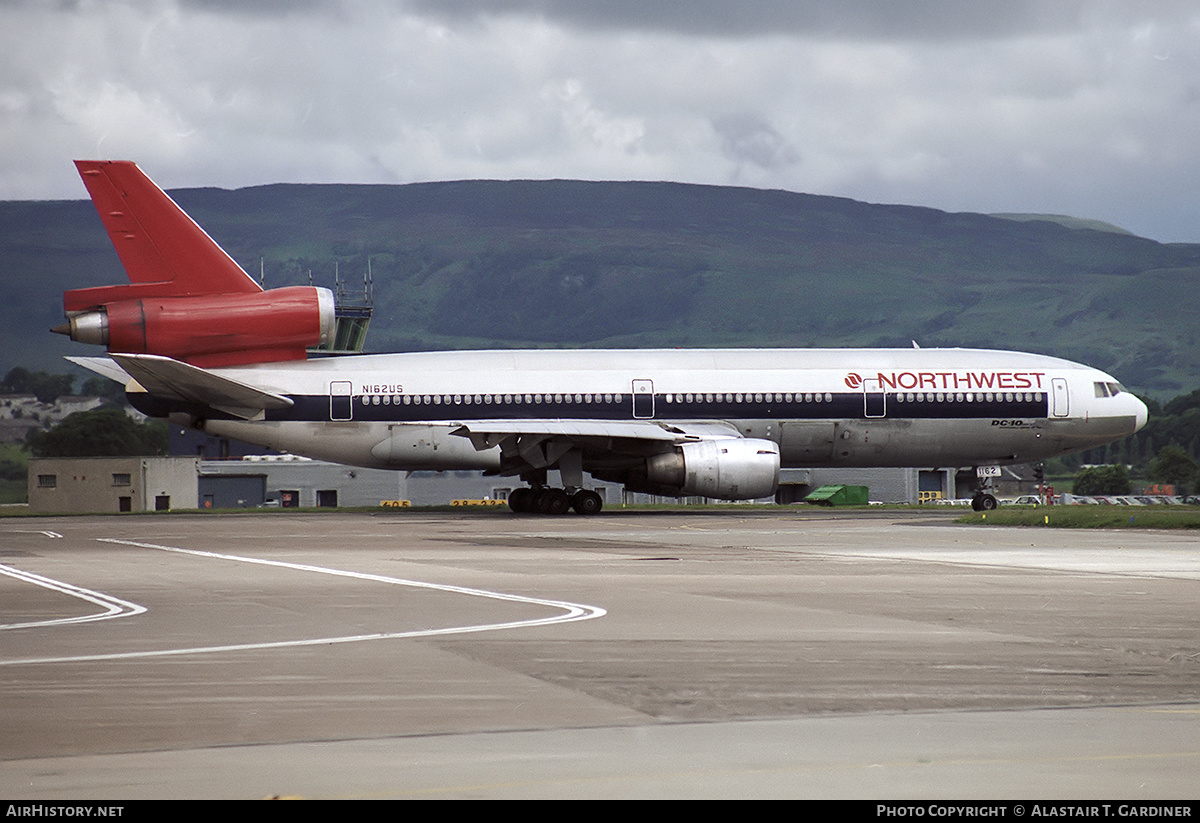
635,654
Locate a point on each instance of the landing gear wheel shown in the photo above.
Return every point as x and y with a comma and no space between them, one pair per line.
520,500
983,503
586,502
553,501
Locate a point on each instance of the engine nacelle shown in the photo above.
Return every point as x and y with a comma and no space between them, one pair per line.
727,469
213,329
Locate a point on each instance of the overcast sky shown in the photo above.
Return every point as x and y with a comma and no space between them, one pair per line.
1082,107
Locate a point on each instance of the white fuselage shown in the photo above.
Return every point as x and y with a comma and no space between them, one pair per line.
841,407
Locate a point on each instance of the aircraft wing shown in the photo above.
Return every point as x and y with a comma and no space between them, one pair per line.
543,444
174,380
487,433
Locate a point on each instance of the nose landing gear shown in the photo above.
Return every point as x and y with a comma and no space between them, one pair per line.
983,502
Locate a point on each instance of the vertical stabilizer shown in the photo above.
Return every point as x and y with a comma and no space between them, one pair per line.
164,252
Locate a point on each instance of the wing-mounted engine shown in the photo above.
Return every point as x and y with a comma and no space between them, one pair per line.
186,298
724,469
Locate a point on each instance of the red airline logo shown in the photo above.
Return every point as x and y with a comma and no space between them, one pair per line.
953,380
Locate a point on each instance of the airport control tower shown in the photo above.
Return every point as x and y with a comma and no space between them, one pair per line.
352,314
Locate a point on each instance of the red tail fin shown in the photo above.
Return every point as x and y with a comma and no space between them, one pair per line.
164,252
187,299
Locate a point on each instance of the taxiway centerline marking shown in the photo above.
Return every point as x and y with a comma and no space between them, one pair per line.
113,606
573,611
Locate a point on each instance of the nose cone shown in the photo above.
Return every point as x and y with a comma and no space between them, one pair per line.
1141,414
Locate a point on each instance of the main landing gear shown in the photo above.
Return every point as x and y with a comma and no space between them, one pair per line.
545,500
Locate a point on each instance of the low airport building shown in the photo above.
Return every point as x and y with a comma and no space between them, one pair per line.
60,485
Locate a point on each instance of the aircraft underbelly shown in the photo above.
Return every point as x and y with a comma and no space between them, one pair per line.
369,445
806,442
418,447
901,442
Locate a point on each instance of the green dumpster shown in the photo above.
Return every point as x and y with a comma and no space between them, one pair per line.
838,496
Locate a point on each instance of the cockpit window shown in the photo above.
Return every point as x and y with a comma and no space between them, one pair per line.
1108,389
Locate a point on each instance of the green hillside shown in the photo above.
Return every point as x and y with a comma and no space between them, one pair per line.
566,263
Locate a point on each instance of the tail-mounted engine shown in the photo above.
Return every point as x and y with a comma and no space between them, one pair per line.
211,329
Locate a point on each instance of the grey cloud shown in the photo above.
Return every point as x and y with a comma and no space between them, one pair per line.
265,8
1089,111
749,138
855,19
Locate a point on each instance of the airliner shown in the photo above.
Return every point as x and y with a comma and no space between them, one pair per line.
196,340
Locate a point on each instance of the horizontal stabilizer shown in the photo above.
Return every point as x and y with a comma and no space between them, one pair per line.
171,379
103,367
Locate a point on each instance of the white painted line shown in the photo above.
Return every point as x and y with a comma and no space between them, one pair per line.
113,606
572,612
